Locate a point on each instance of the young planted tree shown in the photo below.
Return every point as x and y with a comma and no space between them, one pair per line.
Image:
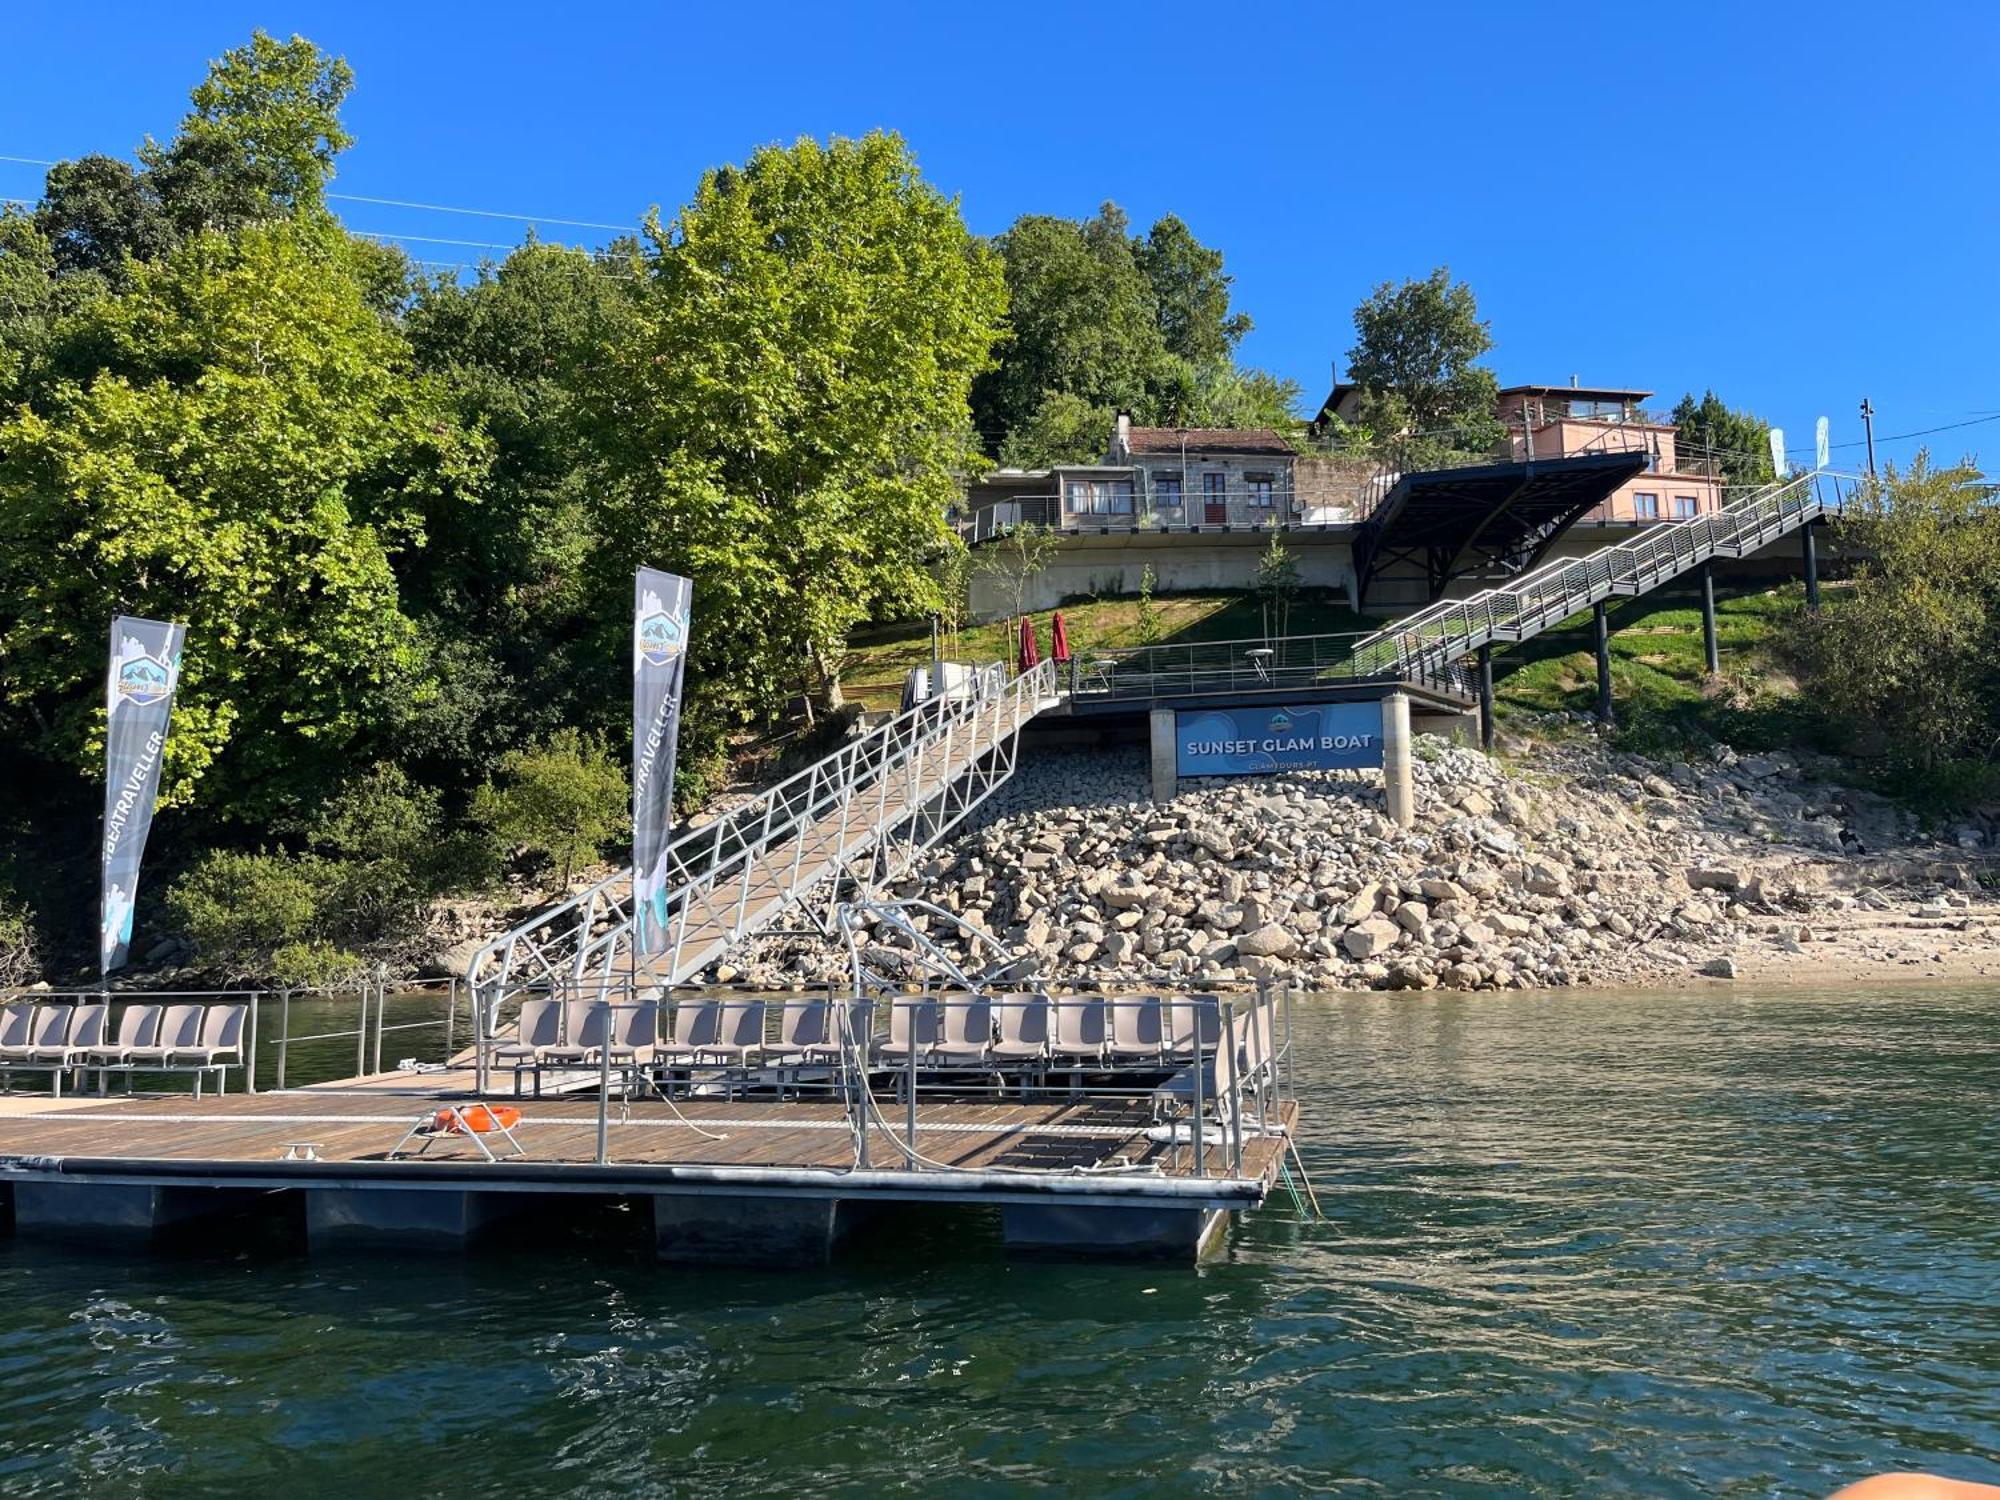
1277,586
1015,559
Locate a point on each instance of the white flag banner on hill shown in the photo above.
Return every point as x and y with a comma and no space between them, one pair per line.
138,700
661,603
1778,465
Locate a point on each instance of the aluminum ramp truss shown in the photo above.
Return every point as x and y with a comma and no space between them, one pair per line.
865,813
1451,629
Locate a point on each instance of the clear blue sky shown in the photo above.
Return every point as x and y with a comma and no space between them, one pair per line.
1794,203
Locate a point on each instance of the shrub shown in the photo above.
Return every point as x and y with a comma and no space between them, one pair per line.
20,958
560,802
311,965
388,852
237,910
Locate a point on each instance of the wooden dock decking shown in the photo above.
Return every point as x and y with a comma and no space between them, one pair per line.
362,1125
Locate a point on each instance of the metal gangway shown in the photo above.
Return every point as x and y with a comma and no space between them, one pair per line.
864,813
1451,629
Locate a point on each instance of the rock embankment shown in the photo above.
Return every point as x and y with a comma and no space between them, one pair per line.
1566,864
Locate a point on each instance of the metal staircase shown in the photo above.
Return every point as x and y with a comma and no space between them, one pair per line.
1452,628
865,812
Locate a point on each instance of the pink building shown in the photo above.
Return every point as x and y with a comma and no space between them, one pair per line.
1562,421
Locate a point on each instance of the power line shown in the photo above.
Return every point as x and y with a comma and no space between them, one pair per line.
437,208
484,213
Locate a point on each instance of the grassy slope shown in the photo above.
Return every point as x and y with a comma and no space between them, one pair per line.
1659,692
879,660
1658,685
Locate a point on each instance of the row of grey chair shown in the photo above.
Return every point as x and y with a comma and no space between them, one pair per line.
1078,1032
59,1038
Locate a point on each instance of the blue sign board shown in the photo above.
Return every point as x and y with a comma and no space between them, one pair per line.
1296,737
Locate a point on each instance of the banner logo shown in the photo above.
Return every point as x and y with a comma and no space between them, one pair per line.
1280,721
144,680
662,637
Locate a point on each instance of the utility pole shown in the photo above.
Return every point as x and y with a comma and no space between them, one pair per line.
1868,426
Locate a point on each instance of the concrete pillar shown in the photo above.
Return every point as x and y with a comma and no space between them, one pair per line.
1166,758
728,1230
1486,697
1600,619
341,1218
1708,641
1396,782
1137,1233
1809,547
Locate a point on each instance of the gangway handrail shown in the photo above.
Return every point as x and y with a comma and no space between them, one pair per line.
580,937
1450,629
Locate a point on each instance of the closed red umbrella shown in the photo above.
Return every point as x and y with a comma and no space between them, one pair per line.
1058,640
1031,653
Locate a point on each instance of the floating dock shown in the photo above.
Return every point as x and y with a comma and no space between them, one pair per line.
735,1181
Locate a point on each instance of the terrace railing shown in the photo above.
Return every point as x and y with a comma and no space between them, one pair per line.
1433,639
1277,663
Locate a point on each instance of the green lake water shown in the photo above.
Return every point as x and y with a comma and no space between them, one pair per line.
1713,1243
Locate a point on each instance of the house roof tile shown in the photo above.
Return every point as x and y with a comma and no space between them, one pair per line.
1258,440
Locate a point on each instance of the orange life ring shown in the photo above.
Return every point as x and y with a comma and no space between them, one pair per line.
477,1119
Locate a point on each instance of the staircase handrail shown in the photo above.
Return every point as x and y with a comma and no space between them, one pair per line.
1451,628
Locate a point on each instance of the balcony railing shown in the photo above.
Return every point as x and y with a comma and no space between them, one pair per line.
1237,510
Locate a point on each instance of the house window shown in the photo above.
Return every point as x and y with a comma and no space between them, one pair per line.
1259,486
1100,497
1646,507
1684,507
1121,496
1167,490
1079,497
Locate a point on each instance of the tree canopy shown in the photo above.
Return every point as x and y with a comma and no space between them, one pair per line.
400,514
1739,443
1415,356
1101,320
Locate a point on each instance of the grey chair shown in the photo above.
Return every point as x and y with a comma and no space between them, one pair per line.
739,1033
138,1026
965,1034
179,1032
536,1032
587,1028
915,1028
1082,1030
218,1045
1138,1028
1025,1028
696,1029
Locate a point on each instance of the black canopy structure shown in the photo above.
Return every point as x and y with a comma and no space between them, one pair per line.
1492,521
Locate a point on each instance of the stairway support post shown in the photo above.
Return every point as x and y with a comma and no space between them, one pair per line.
1398,788
1486,696
1709,648
1601,623
1809,547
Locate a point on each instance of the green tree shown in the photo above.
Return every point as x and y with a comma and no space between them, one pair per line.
561,802
1739,443
28,306
1414,357
250,456
239,910
506,591
791,411
96,212
260,141
1190,294
1063,429
1084,322
1914,654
